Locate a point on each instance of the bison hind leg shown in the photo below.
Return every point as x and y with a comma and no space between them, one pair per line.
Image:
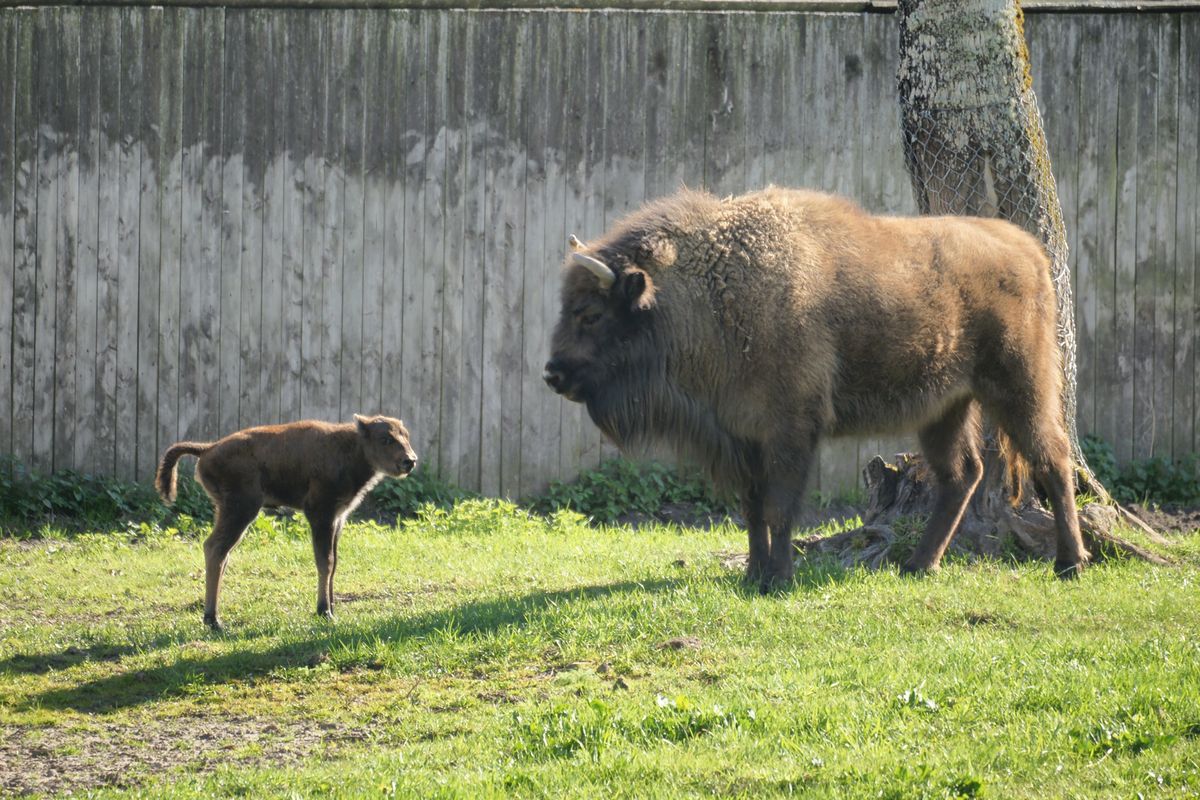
951,446
1039,436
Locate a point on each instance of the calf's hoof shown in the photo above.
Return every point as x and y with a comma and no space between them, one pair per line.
212,622
1068,570
325,613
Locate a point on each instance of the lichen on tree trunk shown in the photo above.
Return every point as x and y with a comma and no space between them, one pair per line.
974,144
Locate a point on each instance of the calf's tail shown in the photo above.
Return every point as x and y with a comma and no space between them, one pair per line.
164,480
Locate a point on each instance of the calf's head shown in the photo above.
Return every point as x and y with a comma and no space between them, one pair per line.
607,301
385,444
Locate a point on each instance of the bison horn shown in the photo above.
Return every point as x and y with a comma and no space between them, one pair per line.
597,267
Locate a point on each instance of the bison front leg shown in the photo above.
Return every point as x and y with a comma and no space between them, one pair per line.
788,472
756,529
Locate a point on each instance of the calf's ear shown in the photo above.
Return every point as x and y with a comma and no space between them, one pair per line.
636,289
363,424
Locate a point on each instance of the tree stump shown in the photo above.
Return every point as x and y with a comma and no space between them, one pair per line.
998,522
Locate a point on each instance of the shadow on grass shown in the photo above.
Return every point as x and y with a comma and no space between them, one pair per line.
135,687
183,676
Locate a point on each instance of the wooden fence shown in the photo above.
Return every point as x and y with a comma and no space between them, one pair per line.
216,217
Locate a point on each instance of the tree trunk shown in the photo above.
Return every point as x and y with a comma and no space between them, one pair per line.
973,144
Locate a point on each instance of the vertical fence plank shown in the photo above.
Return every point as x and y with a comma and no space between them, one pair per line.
1101,70
396,391
1086,251
312,120
8,166
433,251
128,126
47,66
1187,244
170,190
596,76
66,125
1146,229
412,148
350,361
575,113
24,297
725,144
268,97
231,148
1162,251
478,76
202,203
333,233
1128,121
149,249
553,246
296,82
509,204
536,431
493,83
375,149
108,245
455,268
257,288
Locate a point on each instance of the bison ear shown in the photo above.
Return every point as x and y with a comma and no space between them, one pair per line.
637,290
363,424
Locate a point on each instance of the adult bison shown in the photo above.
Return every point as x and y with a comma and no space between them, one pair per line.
740,331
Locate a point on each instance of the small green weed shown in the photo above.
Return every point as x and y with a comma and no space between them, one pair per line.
564,730
621,487
1151,480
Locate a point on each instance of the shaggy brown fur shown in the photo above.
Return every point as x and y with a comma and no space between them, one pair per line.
741,331
320,468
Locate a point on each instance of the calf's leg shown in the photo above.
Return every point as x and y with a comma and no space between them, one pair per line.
324,525
234,513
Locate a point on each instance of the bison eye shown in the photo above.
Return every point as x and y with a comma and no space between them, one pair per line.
589,318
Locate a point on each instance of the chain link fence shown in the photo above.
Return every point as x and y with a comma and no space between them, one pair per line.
973,137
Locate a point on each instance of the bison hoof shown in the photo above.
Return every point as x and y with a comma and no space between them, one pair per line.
1067,570
211,621
773,584
325,613
914,570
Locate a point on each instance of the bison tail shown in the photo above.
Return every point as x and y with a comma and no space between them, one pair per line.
164,480
1018,468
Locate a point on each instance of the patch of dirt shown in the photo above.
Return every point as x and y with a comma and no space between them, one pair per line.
1171,520
680,643
54,760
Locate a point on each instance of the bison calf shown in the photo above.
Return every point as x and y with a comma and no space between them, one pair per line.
742,331
319,468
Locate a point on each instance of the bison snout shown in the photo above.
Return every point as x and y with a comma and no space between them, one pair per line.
554,376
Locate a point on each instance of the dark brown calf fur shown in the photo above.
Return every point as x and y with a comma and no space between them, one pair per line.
740,332
320,468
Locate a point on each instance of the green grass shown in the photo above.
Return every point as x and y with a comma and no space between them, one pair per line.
484,652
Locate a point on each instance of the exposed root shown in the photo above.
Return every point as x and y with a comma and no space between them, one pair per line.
902,497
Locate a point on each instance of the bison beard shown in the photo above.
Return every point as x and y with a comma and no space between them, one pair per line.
739,332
